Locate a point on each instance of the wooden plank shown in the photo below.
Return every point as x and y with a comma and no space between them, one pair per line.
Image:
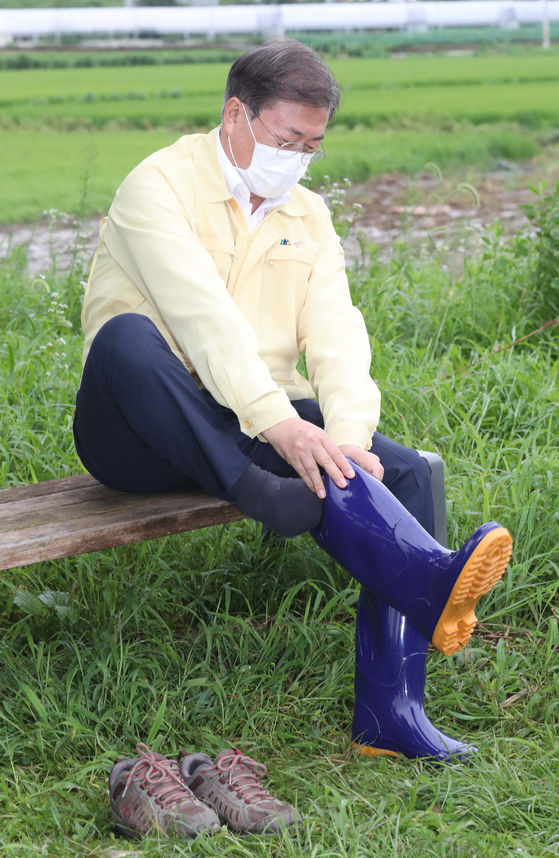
50,487
157,516
70,500
34,515
73,504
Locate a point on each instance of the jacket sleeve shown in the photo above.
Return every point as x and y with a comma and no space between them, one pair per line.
150,236
333,335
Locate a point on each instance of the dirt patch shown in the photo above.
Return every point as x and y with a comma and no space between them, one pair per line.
441,216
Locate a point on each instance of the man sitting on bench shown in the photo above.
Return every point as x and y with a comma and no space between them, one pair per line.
215,272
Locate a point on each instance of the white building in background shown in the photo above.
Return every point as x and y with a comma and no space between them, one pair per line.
257,19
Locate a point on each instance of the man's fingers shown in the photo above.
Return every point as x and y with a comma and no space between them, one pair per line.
331,468
302,471
339,459
371,463
374,466
311,467
336,465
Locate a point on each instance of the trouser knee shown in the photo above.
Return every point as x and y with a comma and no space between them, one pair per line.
125,335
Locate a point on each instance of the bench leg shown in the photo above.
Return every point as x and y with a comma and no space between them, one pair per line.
439,501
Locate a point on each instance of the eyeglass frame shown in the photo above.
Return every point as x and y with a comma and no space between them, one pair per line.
316,154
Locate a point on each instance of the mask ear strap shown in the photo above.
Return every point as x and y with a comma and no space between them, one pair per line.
232,153
229,139
249,125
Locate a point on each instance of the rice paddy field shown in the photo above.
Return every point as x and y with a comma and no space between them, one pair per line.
396,115
217,638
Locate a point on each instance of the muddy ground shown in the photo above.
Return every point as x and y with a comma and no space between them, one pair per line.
442,216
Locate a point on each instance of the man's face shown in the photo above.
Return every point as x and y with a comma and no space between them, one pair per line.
301,125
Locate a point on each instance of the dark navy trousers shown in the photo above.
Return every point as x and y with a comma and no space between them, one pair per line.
142,424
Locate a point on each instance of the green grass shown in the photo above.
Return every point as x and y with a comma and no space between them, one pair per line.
234,642
20,86
41,170
418,110
50,58
530,104
374,92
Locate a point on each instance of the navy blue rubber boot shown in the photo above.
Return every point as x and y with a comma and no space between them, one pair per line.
389,715
368,531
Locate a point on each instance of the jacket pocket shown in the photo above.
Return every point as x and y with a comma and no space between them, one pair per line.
289,253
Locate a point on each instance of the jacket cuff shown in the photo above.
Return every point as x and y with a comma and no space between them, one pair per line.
350,432
265,412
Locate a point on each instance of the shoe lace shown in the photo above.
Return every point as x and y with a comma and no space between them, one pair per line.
243,776
160,778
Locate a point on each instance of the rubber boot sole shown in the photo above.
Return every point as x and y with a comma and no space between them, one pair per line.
485,566
369,751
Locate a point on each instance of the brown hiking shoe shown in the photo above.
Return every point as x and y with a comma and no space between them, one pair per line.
231,786
148,794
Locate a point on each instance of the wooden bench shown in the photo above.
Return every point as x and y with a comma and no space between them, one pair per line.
76,515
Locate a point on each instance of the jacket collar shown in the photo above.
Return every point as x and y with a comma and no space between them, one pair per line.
212,180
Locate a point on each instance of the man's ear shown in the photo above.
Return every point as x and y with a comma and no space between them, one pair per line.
231,113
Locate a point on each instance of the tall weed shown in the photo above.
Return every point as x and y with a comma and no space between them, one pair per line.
545,215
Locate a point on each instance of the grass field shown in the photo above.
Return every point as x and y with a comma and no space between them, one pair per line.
212,638
107,158
31,84
395,115
530,104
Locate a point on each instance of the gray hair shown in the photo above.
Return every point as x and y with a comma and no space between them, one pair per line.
282,69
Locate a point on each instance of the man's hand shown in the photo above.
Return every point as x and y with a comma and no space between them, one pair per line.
307,447
368,461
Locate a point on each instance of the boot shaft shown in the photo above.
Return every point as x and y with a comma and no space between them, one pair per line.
389,715
368,531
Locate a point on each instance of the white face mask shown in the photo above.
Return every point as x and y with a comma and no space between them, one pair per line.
269,175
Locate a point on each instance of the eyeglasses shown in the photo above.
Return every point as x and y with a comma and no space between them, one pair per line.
286,150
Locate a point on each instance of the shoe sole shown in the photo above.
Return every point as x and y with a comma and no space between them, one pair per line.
368,751
484,568
129,833
133,834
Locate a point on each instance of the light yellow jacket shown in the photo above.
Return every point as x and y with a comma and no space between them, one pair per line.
237,309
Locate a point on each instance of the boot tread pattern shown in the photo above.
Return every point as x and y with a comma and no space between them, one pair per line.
483,569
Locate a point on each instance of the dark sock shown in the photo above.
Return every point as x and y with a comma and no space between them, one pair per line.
286,505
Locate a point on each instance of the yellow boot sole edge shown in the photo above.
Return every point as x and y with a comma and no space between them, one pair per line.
483,569
374,752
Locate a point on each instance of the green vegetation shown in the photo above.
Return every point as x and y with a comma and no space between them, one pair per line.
360,75
381,43
532,104
229,641
60,59
395,115
42,170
